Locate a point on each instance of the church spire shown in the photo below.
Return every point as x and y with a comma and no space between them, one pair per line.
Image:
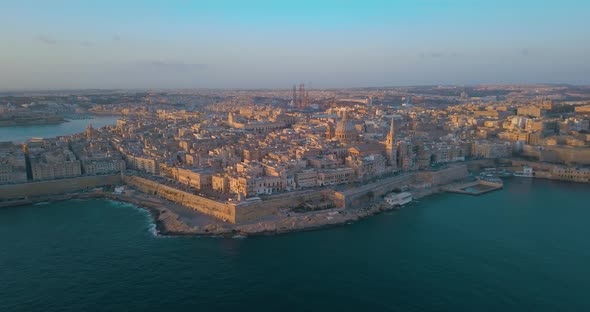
391,148
391,134
392,129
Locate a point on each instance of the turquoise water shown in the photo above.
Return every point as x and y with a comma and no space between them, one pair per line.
525,247
19,134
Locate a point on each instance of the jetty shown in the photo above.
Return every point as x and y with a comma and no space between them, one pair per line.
475,188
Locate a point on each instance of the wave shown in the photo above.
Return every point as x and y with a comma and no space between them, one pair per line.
150,224
153,229
118,203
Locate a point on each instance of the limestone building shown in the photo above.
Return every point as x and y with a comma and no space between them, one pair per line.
12,164
345,131
54,163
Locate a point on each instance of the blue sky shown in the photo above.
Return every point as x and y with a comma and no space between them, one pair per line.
251,44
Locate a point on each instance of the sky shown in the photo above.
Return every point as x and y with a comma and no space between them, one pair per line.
105,44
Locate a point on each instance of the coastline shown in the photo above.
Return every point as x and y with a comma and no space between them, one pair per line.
172,219
169,221
32,123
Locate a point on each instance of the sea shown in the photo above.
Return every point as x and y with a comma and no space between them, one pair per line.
19,134
523,248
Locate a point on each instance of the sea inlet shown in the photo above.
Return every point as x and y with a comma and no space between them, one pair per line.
20,134
524,247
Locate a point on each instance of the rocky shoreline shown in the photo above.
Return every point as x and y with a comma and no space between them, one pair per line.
169,220
169,223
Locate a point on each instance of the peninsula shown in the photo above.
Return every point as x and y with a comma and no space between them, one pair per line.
228,162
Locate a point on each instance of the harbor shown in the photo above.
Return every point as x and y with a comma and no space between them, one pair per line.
488,180
476,188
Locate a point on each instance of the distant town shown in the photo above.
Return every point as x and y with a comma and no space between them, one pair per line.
272,160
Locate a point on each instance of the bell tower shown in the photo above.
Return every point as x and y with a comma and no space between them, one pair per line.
391,146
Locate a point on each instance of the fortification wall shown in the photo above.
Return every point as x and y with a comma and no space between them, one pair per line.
360,196
44,188
252,211
207,206
443,176
249,212
558,154
234,213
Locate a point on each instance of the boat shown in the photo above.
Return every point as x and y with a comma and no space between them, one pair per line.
398,199
491,178
496,172
504,173
527,172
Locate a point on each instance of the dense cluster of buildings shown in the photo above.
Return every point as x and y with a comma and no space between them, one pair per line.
49,162
58,158
12,164
239,145
247,150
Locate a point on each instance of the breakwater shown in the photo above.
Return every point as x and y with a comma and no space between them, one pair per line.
476,188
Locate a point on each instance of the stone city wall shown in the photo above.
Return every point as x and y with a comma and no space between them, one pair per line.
443,176
246,211
44,188
207,206
362,195
558,154
256,210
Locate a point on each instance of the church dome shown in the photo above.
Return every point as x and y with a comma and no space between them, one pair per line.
345,130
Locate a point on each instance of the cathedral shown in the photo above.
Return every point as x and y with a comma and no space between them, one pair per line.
345,131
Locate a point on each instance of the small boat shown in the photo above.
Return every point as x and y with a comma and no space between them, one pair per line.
238,236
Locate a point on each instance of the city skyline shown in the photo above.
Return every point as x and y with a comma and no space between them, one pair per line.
264,44
346,155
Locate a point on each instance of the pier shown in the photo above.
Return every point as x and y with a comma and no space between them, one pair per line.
474,187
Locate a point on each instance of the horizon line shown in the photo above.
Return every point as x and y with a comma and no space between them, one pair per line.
8,90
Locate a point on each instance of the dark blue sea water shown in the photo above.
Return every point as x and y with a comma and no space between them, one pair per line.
524,248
